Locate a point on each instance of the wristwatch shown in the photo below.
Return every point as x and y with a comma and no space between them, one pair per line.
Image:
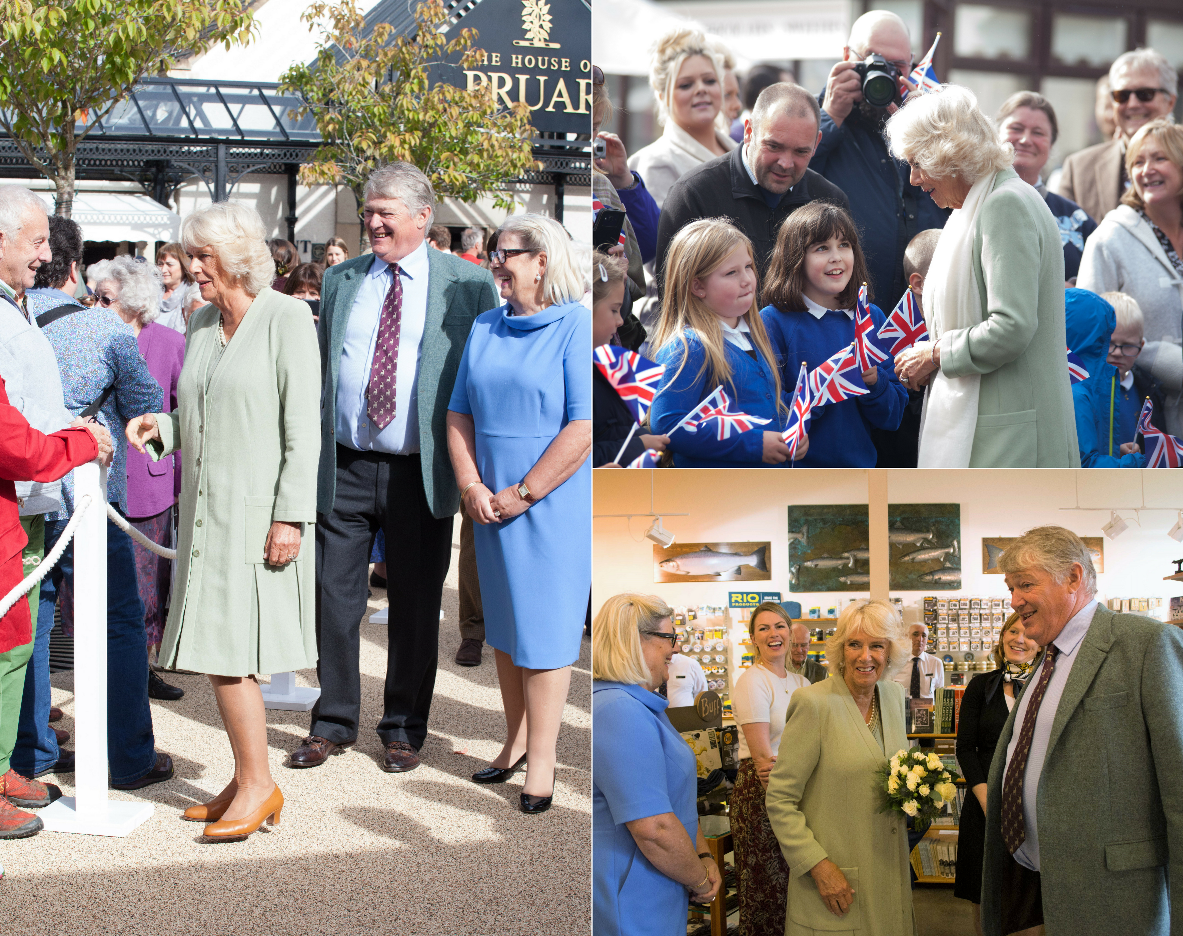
524,493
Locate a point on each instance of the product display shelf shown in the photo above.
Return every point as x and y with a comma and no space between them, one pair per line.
939,833
719,846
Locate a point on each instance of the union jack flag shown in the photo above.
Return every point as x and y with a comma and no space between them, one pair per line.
647,459
866,352
837,379
905,326
798,414
1076,370
717,407
1162,450
634,378
923,75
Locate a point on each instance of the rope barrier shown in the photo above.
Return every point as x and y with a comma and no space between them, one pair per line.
163,551
49,561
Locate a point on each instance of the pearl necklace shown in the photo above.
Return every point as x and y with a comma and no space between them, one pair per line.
874,708
222,339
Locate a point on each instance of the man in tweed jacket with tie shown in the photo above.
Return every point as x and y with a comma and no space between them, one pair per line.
1084,805
393,325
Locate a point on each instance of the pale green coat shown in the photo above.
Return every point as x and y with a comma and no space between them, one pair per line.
1025,413
823,801
251,447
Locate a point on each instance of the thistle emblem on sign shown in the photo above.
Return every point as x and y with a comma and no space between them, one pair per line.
536,20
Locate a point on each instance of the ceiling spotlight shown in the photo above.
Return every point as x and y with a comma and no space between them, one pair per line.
659,534
1115,527
1176,532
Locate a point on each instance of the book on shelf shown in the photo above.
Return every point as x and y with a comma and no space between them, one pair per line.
947,703
921,711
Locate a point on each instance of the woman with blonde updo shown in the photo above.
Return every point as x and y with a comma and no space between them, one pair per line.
686,75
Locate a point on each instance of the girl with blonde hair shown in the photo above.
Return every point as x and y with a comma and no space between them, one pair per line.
710,335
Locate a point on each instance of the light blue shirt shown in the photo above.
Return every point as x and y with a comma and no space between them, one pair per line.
354,426
1067,644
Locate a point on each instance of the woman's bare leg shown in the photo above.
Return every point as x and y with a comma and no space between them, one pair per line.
513,701
240,700
546,694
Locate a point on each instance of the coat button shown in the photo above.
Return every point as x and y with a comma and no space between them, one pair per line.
201,428
198,523
199,461
199,493
196,553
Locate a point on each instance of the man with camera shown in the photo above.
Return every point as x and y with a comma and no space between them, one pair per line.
863,90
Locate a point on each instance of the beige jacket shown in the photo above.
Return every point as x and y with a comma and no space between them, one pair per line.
670,156
1092,178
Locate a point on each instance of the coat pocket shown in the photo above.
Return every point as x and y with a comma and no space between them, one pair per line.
256,525
1132,856
807,909
1102,703
1006,440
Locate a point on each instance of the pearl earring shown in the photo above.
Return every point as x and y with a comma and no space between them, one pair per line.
537,277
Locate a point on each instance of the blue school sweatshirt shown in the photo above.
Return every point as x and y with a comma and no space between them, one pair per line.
838,432
754,394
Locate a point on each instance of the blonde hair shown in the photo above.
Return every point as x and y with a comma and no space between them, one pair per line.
877,619
239,241
616,637
562,281
1169,136
1052,549
945,134
696,251
774,607
669,54
607,271
998,653
1126,308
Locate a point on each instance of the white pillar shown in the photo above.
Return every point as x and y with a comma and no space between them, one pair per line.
283,693
90,811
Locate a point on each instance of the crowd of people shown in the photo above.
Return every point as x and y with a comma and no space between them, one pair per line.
1047,838
757,217
273,446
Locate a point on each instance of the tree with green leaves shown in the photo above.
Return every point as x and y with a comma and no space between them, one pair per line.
378,105
69,63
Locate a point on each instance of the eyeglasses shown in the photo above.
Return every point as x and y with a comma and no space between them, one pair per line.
1145,95
1124,349
597,75
672,638
504,254
105,301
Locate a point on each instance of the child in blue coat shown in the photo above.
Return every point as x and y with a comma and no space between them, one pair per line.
814,276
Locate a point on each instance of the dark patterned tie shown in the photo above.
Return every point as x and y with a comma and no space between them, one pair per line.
914,689
1014,830
384,367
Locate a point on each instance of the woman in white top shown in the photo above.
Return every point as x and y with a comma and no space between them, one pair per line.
181,295
760,701
687,80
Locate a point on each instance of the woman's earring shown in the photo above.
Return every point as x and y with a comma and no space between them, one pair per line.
537,277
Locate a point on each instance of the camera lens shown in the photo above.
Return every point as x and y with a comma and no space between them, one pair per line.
878,89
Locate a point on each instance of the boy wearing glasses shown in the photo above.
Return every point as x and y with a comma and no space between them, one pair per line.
1144,86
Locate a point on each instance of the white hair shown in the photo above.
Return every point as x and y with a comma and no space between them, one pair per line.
945,134
1168,78
97,272
140,286
16,202
877,620
239,241
563,281
405,182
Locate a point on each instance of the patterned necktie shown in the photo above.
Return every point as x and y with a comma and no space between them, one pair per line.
914,689
384,367
1014,830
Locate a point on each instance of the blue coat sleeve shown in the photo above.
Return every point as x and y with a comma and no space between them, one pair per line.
136,390
832,137
1092,439
679,394
884,406
643,214
630,760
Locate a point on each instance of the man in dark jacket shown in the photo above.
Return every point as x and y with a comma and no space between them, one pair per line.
756,185
853,155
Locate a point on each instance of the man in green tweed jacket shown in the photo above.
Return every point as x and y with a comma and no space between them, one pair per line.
393,326
1087,834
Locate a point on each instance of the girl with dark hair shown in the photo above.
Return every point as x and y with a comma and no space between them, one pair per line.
814,277
286,259
304,283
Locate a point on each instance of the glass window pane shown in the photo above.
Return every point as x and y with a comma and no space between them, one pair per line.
991,88
163,113
991,32
297,128
208,114
254,118
124,118
1166,38
1073,100
1088,40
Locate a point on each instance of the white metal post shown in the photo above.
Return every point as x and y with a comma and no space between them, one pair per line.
90,811
283,693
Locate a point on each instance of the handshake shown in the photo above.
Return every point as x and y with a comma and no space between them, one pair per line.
101,436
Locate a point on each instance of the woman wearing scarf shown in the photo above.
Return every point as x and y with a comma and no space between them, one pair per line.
996,369
984,710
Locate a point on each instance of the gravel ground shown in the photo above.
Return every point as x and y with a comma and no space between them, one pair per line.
357,850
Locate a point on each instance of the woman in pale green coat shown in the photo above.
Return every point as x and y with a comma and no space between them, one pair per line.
996,365
248,423
848,861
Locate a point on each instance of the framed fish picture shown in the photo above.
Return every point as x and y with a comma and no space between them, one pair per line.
924,544
712,562
994,546
828,548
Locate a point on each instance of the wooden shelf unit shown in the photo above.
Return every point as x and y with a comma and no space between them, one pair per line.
932,833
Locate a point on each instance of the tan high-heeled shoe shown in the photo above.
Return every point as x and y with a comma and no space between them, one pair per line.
235,830
211,811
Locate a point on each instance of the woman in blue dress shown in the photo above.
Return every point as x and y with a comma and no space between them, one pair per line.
519,434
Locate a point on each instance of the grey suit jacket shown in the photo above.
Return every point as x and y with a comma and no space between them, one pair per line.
1110,799
457,292
1092,178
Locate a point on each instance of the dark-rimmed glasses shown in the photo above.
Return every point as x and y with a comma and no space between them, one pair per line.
672,638
105,301
503,254
1145,95
1125,350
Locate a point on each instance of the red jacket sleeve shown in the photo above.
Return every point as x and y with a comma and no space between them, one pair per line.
28,455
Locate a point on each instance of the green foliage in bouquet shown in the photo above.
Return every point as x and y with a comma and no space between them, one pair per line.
917,783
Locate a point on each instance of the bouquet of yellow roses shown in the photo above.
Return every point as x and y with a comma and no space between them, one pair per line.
917,783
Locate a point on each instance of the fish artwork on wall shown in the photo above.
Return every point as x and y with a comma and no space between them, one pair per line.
994,546
925,547
711,562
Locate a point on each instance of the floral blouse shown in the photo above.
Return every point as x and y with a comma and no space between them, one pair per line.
1167,246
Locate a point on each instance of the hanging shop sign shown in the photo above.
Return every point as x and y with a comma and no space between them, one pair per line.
751,599
533,51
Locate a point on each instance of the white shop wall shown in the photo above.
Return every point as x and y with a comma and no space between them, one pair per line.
751,505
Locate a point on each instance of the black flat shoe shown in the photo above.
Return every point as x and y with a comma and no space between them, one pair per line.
159,689
497,774
535,804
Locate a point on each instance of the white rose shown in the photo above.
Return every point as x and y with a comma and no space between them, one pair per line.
924,789
934,762
919,755
920,771
948,792
913,781
895,764
893,784
910,808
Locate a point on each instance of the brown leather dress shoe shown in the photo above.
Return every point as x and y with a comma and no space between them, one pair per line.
400,757
55,713
62,735
314,751
469,653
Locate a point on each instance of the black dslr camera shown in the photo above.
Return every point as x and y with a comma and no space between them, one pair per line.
881,81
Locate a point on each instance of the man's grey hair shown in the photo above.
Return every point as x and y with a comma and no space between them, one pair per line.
470,239
16,202
784,98
140,286
403,181
1168,78
1052,549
